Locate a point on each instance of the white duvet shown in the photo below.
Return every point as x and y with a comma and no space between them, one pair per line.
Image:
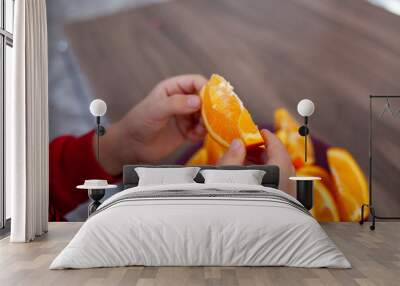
200,231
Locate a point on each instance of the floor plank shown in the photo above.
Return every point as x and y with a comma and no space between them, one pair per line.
375,257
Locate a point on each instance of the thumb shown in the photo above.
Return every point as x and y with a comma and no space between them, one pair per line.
179,104
275,150
235,154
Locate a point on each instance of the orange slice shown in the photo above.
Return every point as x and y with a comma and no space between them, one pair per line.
214,150
198,158
208,154
317,171
351,184
284,121
325,208
224,115
286,129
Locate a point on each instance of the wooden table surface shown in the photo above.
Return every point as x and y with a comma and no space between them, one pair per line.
274,52
375,258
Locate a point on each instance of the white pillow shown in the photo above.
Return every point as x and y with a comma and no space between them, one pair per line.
162,176
248,177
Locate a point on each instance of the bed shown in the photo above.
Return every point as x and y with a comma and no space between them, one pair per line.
199,224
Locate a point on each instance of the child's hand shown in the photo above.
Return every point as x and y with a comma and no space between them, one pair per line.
157,126
275,154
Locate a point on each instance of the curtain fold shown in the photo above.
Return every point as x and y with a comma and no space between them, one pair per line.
27,124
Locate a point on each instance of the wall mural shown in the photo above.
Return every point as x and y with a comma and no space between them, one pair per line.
258,59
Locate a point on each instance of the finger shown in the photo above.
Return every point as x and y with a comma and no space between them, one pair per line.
235,154
178,104
200,130
273,145
183,84
196,134
276,154
194,138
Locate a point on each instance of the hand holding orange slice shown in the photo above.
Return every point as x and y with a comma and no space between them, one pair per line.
340,193
224,115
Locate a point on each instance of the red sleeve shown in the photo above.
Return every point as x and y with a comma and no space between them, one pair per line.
72,161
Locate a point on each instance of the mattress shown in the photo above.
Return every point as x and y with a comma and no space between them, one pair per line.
201,225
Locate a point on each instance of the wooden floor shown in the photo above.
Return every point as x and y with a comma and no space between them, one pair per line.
375,257
274,52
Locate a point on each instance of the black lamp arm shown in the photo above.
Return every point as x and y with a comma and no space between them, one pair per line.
304,131
100,131
305,138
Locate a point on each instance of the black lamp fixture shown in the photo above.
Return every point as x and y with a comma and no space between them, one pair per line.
305,193
98,108
305,108
96,188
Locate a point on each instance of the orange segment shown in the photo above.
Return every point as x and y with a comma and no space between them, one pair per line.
284,121
216,121
198,158
225,116
214,150
325,208
351,184
248,130
208,154
317,171
286,128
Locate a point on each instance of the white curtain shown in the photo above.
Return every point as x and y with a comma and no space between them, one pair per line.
27,124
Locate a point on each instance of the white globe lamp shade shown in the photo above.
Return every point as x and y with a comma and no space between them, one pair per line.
98,107
305,107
